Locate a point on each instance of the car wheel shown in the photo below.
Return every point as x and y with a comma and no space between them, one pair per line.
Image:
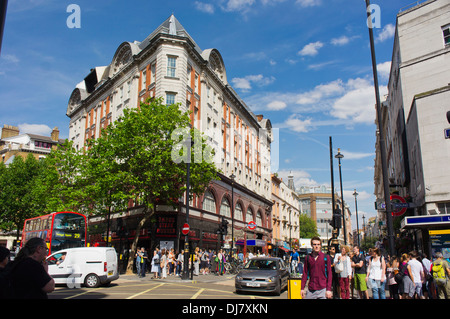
278,288
92,281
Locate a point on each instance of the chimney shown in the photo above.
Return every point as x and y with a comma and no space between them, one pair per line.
55,134
259,117
9,131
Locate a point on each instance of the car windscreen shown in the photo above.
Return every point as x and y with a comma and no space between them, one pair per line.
255,264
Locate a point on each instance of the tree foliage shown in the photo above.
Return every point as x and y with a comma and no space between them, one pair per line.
308,227
137,158
16,200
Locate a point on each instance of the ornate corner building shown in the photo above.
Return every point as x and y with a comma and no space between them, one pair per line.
169,64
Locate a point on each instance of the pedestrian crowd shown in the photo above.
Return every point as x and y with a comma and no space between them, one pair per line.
339,275
324,275
169,262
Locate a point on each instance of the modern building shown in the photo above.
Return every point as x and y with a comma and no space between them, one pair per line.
317,203
13,144
285,214
169,64
414,116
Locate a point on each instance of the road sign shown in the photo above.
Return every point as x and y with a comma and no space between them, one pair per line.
399,204
251,225
185,229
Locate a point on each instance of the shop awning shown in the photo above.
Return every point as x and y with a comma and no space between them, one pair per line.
283,249
428,221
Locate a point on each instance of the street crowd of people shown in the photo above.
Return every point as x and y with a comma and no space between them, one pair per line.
351,273
347,274
168,262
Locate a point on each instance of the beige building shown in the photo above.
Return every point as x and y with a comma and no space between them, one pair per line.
169,64
317,203
285,213
13,144
414,113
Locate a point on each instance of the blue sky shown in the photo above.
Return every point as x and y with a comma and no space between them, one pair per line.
304,64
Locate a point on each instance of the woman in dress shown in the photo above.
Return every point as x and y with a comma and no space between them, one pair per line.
155,264
164,262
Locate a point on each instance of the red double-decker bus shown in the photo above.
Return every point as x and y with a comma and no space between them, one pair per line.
60,230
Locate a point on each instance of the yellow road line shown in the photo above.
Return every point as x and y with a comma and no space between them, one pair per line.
83,293
198,293
141,293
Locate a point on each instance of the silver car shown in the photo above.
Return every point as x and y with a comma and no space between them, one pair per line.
265,274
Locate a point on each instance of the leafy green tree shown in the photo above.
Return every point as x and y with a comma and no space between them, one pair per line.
16,200
308,227
62,184
141,157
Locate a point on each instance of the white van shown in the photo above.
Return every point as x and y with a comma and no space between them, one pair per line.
90,266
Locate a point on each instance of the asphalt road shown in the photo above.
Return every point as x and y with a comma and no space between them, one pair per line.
132,288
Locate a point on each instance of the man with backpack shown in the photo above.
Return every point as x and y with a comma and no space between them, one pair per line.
441,275
317,269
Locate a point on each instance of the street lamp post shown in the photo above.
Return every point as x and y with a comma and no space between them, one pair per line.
185,275
364,227
357,223
232,210
339,156
381,141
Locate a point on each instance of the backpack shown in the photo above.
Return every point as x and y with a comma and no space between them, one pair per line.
439,273
401,273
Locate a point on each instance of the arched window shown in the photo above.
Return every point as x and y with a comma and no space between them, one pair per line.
238,212
209,202
249,216
225,208
259,218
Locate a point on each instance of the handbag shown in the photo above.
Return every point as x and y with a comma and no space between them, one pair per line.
339,267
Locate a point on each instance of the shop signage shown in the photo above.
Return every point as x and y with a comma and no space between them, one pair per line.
166,226
251,225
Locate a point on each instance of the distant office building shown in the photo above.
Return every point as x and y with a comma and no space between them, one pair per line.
317,203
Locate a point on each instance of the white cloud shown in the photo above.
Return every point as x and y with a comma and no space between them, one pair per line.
311,49
358,103
384,70
10,58
387,33
355,155
276,105
340,41
204,7
39,129
298,125
245,84
308,3
237,5
321,91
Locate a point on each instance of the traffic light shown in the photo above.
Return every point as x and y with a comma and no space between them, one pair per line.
336,220
224,226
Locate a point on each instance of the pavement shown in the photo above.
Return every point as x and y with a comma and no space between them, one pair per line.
226,279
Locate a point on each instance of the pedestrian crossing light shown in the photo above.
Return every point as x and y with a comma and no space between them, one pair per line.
224,226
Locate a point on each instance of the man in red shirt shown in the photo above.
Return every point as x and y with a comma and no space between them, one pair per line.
317,270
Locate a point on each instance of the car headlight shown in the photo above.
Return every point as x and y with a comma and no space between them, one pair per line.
270,279
238,278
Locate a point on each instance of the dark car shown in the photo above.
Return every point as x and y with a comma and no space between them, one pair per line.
265,274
